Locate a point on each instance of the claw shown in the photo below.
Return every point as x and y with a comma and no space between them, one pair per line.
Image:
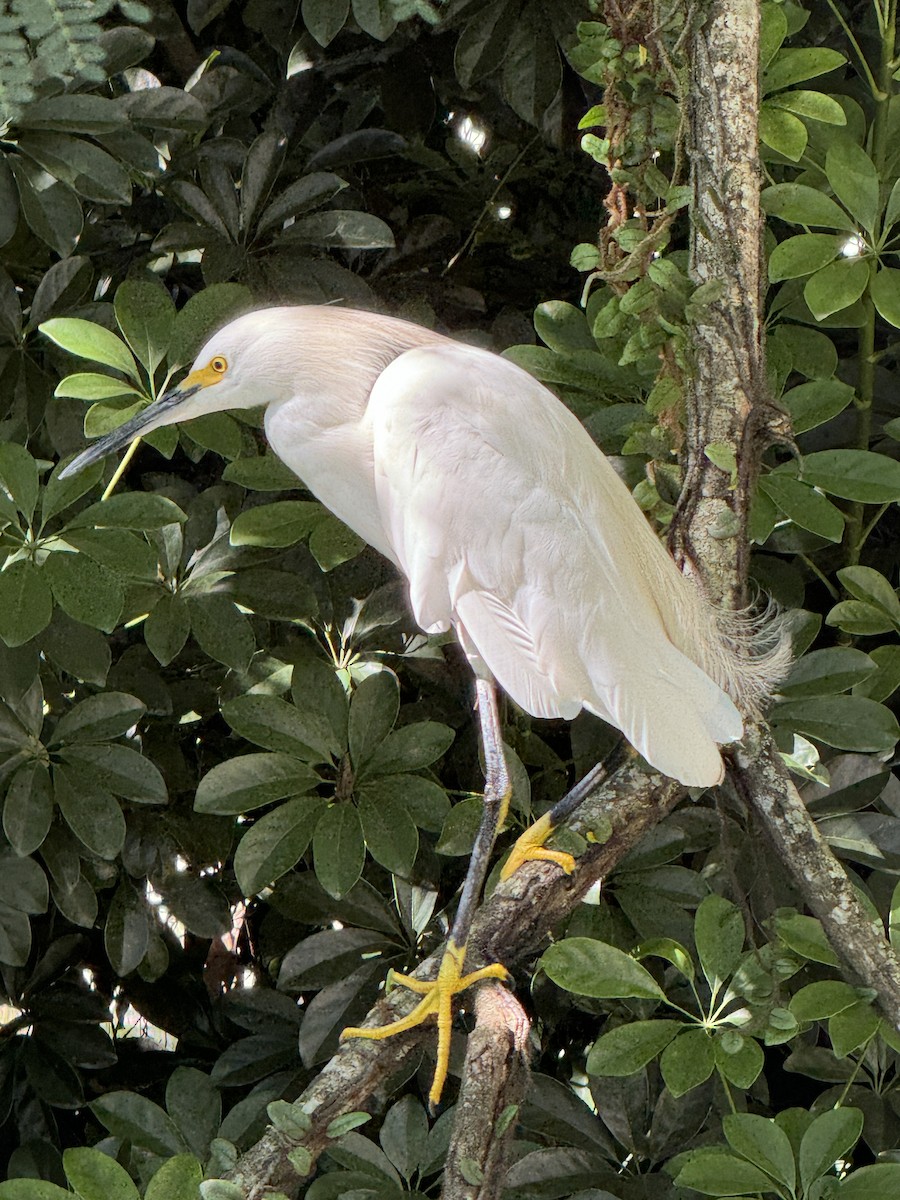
530,848
437,998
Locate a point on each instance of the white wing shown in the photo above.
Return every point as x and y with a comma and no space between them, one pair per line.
511,525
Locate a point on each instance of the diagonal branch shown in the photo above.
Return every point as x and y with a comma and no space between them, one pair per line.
509,928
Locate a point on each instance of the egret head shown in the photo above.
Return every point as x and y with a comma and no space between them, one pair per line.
233,370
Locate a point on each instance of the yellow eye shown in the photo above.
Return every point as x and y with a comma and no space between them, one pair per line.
219,364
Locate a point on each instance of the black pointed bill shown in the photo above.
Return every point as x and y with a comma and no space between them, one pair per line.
161,412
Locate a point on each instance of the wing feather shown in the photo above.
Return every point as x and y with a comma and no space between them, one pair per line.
511,525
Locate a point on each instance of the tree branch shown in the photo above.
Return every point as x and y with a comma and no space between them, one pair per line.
495,1079
728,404
762,780
509,928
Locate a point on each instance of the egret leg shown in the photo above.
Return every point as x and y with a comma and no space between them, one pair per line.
437,995
531,845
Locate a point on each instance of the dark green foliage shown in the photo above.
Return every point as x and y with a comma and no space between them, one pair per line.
215,709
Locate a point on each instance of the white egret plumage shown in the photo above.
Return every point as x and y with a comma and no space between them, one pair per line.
510,525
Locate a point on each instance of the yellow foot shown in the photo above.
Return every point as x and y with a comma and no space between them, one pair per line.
530,848
437,998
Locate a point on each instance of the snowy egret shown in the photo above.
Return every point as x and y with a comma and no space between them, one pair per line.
511,527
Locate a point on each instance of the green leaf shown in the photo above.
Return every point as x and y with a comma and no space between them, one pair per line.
854,180
375,17
624,1050
84,589
332,542
672,951
138,1120
836,286
259,173
404,1135
274,724
343,228
802,205
88,385
687,1061
801,255
763,1143
782,132
26,603
318,692
195,1105
52,211
411,748
23,885
855,616
373,711
742,1067
250,781
222,630
819,1000
773,29
15,937
719,935
886,294
98,718
885,680
460,827
339,850
806,507
846,722
121,769
59,494
275,843
96,1176
276,525
32,1189
390,833
101,419
146,315
812,404
591,968
794,66
865,583
263,473
92,813
73,113
892,211
312,191
716,1172
128,556
167,627
812,352
854,475
852,1027
28,808
177,1179
19,477
826,672
89,340
806,936
830,1137
814,106
426,802
131,510
87,169
879,1181
218,432
325,18
205,312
